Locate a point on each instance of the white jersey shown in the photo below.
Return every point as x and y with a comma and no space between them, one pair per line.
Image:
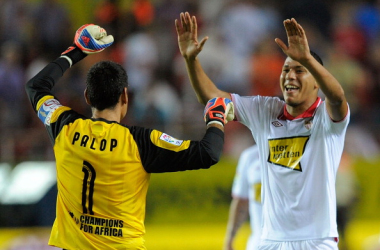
299,159
247,185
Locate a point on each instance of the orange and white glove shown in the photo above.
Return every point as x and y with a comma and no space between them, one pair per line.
89,39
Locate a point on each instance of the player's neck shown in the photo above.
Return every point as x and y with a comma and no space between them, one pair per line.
107,114
296,110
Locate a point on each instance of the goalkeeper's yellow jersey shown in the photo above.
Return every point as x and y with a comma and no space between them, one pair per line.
103,171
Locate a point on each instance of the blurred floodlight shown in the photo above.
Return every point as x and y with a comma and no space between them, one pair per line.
5,170
29,182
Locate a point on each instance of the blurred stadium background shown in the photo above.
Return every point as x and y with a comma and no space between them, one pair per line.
185,210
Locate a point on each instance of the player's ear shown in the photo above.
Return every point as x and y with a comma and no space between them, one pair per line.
124,96
86,97
316,86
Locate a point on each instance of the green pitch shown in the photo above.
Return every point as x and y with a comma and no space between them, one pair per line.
208,236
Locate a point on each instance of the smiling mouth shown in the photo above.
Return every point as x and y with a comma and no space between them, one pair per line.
291,88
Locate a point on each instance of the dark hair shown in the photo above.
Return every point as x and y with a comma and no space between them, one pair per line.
315,55
105,83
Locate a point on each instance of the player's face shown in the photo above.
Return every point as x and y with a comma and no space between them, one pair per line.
297,84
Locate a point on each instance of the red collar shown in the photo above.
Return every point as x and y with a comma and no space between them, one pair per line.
308,113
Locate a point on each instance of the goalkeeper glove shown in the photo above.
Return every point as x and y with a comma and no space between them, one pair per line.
219,110
89,39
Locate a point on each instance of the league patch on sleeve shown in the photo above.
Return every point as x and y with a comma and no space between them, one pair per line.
47,109
170,139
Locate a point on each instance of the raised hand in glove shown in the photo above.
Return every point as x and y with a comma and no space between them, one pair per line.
89,39
219,110
92,39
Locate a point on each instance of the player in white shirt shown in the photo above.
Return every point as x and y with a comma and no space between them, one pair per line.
246,199
300,139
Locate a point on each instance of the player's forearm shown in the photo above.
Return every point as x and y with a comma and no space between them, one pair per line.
331,88
204,88
42,83
212,145
238,214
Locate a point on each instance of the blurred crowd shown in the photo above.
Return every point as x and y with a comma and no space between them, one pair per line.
240,56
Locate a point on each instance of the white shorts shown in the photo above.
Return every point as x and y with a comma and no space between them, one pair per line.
317,244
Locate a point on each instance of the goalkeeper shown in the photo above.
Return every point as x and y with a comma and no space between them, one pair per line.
103,167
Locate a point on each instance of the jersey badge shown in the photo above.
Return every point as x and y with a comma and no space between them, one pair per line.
47,109
170,139
287,152
277,124
308,124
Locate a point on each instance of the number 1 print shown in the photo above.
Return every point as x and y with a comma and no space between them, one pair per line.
88,181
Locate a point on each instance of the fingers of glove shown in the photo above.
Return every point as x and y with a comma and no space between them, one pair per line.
106,40
96,31
230,112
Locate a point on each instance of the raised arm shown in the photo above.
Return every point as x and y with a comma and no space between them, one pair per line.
187,31
89,39
298,50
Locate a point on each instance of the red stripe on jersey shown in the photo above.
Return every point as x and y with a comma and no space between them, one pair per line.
308,113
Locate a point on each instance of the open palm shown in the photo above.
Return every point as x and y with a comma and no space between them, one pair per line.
187,31
298,47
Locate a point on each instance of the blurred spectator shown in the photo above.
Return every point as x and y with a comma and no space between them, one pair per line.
143,11
50,20
140,61
162,107
367,17
373,65
12,109
12,80
210,9
106,15
351,75
168,10
315,12
243,25
346,34
14,21
164,32
266,65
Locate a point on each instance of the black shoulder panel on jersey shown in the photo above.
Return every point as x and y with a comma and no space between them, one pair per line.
199,155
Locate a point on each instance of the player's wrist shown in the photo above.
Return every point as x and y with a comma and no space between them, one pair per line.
190,58
215,124
73,54
219,119
218,110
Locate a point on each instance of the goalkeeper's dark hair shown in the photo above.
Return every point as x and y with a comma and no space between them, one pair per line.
317,57
105,83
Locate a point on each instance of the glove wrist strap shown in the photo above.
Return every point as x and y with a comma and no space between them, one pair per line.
73,54
215,122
